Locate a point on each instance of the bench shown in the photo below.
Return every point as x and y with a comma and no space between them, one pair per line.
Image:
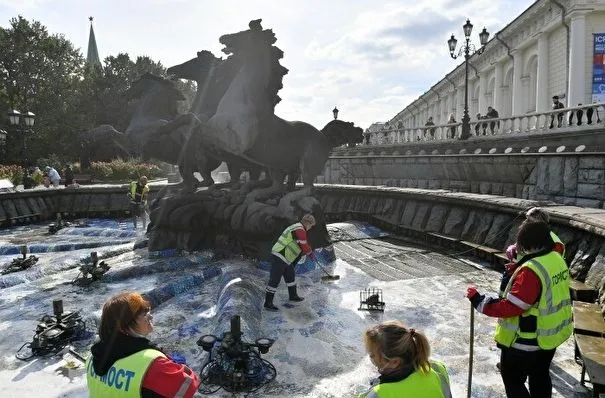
443,240
488,253
582,292
588,319
592,350
413,232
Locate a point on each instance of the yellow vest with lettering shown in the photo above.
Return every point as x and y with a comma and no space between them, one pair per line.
434,384
125,377
553,324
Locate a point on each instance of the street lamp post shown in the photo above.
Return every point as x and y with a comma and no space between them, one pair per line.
468,49
335,112
22,124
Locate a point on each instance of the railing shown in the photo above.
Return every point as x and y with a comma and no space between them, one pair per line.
574,118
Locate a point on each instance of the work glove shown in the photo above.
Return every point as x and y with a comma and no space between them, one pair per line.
511,252
510,268
474,296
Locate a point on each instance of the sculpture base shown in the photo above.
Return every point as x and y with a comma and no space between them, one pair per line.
227,220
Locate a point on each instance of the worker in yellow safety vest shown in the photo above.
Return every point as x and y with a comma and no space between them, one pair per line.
286,252
125,364
535,314
401,355
138,192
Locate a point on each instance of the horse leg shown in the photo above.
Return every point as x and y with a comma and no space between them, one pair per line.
276,187
205,166
292,178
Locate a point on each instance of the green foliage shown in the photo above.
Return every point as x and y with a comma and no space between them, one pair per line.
11,172
53,160
39,72
123,170
43,73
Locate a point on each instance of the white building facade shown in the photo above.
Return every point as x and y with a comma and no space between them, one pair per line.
545,51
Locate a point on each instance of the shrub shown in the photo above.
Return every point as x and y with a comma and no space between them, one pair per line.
123,170
12,172
55,161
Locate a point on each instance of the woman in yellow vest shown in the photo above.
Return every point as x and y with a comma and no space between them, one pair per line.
285,253
401,355
125,364
535,314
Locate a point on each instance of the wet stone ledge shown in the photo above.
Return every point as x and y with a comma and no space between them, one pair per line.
487,220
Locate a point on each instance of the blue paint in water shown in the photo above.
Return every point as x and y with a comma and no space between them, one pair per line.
324,255
165,253
158,266
164,293
188,331
178,358
59,247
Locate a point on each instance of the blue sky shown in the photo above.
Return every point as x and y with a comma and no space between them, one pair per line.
370,58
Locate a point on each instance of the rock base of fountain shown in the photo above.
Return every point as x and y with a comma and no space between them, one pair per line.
229,220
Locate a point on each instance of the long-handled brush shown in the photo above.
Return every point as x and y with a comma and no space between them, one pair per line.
328,277
470,358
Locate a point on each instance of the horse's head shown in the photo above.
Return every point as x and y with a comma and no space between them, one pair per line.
151,84
339,132
195,69
248,42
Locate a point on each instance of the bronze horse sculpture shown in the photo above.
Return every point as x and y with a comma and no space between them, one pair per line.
213,77
245,126
158,98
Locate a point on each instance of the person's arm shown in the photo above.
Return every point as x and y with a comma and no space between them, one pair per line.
300,234
168,378
145,193
524,293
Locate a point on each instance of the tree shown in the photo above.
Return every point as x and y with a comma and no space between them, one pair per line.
40,72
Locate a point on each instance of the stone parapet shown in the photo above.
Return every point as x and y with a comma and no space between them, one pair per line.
575,178
32,205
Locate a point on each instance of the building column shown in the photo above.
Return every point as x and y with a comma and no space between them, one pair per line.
482,102
497,94
517,93
542,100
576,92
453,105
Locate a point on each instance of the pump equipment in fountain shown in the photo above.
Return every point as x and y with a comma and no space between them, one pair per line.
92,270
53,333
21,263
58,225
234,365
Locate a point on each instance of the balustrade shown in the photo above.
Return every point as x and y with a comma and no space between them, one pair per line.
570,119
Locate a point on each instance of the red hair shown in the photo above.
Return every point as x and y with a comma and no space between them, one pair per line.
120,313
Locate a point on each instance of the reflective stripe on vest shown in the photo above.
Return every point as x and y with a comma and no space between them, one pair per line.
286,246
124,378
553,313
434,384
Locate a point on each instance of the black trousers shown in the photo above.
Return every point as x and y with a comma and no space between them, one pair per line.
516,366
279,268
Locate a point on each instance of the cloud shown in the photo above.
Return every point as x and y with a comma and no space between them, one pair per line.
371,59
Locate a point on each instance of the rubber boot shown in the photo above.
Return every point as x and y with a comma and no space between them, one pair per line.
293,295
269,302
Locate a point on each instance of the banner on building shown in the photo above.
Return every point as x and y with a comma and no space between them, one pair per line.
598,68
